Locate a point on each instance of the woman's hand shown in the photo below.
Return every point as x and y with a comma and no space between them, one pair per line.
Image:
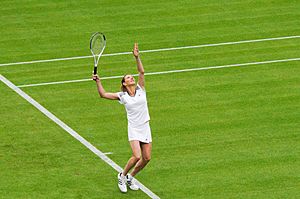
95,77
135,50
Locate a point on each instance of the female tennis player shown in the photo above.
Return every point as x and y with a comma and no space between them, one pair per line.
133,97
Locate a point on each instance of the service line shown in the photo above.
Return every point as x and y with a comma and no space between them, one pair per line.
171,71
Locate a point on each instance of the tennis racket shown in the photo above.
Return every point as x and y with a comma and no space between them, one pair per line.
97,46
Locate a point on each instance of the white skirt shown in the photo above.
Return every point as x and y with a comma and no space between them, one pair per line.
141,133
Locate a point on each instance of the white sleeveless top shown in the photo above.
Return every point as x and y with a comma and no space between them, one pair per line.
136,106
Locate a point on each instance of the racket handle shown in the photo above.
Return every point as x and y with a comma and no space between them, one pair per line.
95,70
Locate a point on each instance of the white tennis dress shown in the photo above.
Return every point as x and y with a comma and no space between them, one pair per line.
137,115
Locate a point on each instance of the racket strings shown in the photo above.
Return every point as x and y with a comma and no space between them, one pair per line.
98,44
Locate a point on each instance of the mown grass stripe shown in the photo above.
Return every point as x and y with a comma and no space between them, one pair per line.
154,50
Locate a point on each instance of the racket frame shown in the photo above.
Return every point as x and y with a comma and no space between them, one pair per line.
97,57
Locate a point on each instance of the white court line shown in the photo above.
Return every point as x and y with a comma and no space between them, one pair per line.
170,71
72,133
108,153
156,50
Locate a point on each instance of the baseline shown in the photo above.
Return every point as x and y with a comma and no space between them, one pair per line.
156,50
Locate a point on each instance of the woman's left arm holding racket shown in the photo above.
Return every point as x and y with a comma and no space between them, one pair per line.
102,92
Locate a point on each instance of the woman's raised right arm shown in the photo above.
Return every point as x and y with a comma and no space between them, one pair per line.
102,92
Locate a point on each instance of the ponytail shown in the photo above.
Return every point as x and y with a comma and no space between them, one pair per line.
123,88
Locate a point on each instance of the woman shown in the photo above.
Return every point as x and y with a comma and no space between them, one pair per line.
133,97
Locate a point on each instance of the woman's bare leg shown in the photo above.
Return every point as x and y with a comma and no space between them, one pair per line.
136,155
146,156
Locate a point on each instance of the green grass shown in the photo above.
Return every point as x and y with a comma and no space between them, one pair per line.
222,133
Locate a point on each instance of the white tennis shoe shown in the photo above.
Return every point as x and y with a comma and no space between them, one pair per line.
130,182
122,183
